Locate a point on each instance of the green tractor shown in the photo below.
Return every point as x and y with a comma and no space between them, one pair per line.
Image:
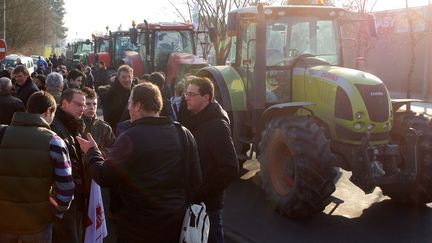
305,116
81,52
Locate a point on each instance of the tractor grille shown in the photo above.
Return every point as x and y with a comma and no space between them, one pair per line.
376,101
347,134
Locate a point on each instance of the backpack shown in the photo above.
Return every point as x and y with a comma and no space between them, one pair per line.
196,224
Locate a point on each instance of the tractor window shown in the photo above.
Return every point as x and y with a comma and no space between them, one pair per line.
83,47
168,41
123,44
288,37
248,45
104,46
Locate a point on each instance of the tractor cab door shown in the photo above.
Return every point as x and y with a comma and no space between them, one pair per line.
278,72
245,44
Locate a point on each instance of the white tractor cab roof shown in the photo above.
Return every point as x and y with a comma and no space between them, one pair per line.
11,60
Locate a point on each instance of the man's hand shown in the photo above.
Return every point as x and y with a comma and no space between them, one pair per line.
85,145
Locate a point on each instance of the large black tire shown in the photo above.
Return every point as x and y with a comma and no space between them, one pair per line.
419,192
296,166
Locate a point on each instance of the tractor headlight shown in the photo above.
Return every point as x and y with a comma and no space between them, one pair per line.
386,126
370,127
358,115
358,125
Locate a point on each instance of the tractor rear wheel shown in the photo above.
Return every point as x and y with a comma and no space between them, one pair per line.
420,191
296,166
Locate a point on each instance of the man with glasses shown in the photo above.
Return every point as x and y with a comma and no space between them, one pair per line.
68,124
210,126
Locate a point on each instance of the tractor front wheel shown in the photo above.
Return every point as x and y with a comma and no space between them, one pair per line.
296,166
420,191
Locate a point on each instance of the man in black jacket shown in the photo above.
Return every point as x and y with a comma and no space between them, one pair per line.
23,84
146,164
9,104
68,124
210,126
115,100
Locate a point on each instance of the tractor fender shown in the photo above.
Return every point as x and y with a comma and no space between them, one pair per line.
282,109
230,88
398,103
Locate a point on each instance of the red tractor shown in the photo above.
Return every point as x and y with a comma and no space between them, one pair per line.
112,48
166,47
101,50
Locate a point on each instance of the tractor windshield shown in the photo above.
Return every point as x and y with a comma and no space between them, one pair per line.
123,44
288,37
104,46
168,41
84,47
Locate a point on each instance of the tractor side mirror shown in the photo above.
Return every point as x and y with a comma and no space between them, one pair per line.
212,34
372,25
232,25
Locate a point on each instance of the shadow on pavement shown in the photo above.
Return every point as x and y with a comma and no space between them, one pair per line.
249,218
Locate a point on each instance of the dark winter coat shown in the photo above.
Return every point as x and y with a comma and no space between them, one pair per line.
102,77
23,92
101,133
218,159
146,164
114,104
68,127
9,105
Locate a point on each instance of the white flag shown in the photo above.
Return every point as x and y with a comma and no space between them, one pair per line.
96,228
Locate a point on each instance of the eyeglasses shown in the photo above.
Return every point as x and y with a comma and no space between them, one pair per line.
191,94
79,104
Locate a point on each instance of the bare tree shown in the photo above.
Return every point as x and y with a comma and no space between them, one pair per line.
31,24
358,12
213,15
410,16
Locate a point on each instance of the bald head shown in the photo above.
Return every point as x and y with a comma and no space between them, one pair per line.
5,86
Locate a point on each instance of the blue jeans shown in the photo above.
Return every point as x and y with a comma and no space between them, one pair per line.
44,236
216,234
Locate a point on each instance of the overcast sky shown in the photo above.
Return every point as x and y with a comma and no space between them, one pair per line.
84,17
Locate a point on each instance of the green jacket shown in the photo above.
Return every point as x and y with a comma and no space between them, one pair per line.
26,175
101,132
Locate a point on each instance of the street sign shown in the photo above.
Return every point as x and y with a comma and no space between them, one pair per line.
2,49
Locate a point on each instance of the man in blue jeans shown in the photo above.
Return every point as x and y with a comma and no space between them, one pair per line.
210,126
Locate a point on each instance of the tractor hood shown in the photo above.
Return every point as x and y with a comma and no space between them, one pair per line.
352,101
345,78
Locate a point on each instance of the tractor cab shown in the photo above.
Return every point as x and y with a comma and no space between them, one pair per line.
121,43
158,40
101,47
291,37
83,48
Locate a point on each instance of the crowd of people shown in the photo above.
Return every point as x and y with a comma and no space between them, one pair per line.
53,143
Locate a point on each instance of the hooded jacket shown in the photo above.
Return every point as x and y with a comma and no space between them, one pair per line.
218,159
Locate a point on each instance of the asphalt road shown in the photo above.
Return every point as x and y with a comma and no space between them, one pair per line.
248,217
